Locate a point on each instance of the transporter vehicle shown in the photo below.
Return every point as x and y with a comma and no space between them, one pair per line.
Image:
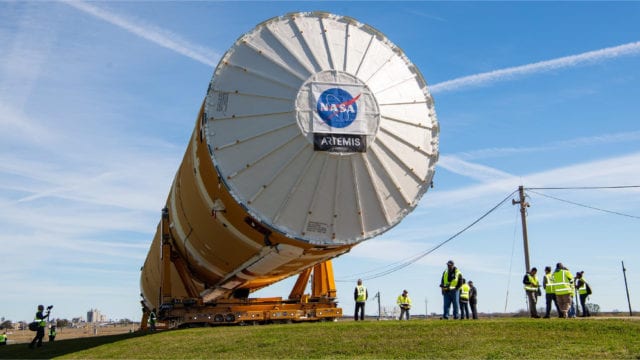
316,133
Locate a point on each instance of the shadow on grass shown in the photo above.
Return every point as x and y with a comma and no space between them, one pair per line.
62,347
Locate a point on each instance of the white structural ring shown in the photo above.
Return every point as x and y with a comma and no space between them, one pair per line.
321,128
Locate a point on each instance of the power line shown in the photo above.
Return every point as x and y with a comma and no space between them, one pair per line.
585,206
401,264
404,263
584,187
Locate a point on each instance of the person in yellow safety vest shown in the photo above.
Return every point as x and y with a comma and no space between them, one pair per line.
42,323
584,290
52,333
360,295
152,320
532,289
464,299
449,284
3,338
550,294
563,287
404,301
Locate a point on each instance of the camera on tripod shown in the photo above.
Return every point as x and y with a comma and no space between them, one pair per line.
49,307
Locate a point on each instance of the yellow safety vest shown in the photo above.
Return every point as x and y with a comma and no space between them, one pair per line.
41,321
404,300
362,293
464,291
582,290
563,282
548,288
533,283
454,282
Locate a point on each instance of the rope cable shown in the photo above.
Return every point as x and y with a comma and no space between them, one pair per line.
513,247
413,259
401,264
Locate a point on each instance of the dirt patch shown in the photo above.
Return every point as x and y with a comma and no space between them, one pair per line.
25,336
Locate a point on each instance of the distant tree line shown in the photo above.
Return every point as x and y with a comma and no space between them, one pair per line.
6,324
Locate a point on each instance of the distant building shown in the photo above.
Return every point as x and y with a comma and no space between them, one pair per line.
94,316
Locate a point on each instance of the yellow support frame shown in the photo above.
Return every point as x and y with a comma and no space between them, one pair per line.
319,305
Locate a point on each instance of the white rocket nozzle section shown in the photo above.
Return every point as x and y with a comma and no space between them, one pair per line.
321,128
316,134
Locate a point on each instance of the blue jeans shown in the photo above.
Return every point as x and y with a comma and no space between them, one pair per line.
450,298
404,312
360,310
464,309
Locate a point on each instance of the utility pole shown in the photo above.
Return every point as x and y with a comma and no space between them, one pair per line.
624,272
379,308
426,309
523,215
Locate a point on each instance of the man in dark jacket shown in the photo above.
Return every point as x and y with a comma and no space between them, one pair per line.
473,300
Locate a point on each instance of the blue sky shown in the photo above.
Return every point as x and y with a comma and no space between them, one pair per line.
98,101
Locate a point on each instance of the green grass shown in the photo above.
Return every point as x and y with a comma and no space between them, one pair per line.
483,339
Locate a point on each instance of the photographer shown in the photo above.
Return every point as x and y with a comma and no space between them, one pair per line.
42,323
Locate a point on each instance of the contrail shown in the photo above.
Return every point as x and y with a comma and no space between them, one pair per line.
209,57
475,171
158,36
563,62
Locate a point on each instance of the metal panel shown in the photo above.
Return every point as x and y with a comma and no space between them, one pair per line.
264,105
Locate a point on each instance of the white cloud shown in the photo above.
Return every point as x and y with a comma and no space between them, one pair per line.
612,171
152,33
387,253
24,55
475,171
426,15
537,67
204,55
94,208
571,143
16,125
99,179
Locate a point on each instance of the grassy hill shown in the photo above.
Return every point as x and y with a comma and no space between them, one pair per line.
482,339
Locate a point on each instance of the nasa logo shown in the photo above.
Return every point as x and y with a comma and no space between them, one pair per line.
337,108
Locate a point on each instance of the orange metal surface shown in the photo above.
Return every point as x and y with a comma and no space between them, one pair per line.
221,248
